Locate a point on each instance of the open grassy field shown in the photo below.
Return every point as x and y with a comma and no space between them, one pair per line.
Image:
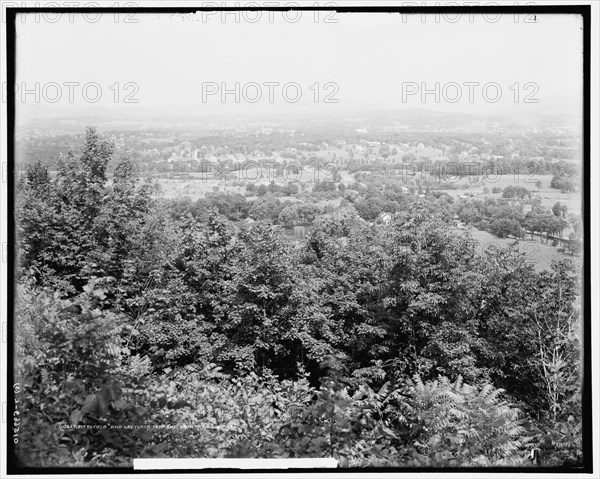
197,185
195,188
548,195
540,255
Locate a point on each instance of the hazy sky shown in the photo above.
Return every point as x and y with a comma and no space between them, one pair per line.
368,60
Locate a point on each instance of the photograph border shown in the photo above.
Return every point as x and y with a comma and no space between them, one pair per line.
583,10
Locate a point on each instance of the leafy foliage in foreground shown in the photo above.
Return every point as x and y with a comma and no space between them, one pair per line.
197,411
84,392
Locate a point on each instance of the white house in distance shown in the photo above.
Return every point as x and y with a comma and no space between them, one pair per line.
384,218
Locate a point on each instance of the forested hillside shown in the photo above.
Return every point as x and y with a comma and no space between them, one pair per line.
143,332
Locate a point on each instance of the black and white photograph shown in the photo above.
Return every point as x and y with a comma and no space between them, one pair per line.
317,238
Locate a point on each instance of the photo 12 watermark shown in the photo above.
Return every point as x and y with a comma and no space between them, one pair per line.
257,12
269,92
469,92
51,15
470,17
73,92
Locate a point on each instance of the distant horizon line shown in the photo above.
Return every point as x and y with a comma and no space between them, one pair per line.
132,114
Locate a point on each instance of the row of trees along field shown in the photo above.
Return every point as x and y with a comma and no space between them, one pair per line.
397,346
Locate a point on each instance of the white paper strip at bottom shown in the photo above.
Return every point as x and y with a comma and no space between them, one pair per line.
233,463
